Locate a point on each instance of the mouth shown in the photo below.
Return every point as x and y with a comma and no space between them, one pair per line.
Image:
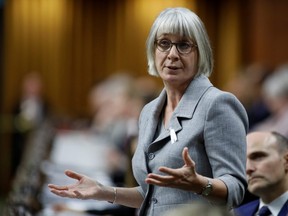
172,67
254,178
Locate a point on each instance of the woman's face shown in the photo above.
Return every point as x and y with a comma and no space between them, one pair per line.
176,68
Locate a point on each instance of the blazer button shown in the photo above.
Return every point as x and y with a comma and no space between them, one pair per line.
154,200
151,156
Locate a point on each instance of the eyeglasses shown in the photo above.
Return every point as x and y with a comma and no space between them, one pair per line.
182,47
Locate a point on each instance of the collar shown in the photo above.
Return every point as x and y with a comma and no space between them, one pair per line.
276,205
198,86
185,108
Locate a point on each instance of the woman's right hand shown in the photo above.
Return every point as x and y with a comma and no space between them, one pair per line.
84,188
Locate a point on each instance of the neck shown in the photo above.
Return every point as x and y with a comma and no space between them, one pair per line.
273,193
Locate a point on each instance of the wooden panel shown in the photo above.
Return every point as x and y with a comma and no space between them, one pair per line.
267,23
75,44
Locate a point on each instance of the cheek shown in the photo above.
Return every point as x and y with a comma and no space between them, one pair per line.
160,56
191,63
157,64
268,169
159,60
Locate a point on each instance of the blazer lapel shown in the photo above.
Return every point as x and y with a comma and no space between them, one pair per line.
284,210
191,98
189,101
248,209
153,118
185,108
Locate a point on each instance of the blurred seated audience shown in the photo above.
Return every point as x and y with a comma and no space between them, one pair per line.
267,174
101,149
247,86
275,94
105,148
29,112
110,102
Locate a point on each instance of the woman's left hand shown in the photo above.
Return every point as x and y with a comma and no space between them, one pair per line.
184,178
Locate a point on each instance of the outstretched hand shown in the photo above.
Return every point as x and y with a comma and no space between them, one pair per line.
84,188
184,178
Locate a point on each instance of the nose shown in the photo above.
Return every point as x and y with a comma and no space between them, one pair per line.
249,167
173,53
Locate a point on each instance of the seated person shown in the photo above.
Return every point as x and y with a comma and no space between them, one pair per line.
267,174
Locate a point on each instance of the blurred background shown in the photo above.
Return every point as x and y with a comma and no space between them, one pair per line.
69,46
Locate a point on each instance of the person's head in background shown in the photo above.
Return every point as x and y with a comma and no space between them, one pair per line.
267,165
275,90
247,83
184,27
122,96
109,100
200,209
32,85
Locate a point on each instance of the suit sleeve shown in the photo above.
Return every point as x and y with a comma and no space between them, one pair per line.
225,130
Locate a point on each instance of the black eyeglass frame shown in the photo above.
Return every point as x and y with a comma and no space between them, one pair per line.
176,44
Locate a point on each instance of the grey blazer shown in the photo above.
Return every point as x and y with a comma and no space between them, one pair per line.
213,125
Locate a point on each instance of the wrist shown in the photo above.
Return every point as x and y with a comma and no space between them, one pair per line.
207,188
114,197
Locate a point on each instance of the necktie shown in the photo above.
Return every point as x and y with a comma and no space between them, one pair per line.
264,211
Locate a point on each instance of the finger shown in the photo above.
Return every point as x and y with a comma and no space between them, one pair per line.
57,187
63,193
160,181
160,177
156,182
73,174
186,157
170,171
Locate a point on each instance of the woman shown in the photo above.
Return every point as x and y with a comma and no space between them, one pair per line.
192,138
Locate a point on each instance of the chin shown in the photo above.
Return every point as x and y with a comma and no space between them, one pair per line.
255,188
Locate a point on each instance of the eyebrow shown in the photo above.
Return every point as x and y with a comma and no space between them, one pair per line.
257,154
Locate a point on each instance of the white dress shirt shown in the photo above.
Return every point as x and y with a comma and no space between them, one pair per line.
276,205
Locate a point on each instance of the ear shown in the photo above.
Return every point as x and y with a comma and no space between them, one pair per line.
286,160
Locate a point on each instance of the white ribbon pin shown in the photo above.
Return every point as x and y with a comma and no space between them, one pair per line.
173,135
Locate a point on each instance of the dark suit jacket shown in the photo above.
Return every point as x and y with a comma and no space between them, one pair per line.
251,208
